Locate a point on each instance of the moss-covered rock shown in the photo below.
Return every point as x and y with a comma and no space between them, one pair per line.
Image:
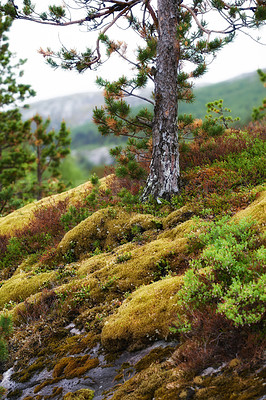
181,230
141,268
256,211
22,285
144,317
178,216
71,367
105,230
20,218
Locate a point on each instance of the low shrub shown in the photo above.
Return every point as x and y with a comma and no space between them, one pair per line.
228,274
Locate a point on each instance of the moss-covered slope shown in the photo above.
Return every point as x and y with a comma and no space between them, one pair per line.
90,306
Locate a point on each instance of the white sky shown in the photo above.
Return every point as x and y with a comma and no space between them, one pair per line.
242,56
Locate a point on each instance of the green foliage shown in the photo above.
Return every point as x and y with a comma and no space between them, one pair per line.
5,331
14,133
50,148
123,257
239,95
218,118
259,113
74,216
228,274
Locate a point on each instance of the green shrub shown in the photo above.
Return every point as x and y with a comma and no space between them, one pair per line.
5,331
228,274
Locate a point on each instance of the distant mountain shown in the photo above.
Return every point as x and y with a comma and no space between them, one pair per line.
240,94
75,109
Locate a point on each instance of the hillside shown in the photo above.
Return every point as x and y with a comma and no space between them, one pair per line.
113,299
240,94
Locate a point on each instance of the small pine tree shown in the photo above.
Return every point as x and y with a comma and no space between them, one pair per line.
14,156
49,148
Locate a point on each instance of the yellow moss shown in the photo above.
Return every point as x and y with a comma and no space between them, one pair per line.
140,269
71,367
21,217
82,394
143,385
146,315
21,286
256,210
105,229
178,232
176,217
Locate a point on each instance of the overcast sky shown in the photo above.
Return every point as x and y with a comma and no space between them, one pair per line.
242,56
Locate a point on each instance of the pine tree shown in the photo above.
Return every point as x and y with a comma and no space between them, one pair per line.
49,147
14,156
165,19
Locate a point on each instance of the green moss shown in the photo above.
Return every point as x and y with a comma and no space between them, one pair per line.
47,382
156,355
143,385
82,394
144,317
21,286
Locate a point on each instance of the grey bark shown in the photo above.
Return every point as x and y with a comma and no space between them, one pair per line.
164,177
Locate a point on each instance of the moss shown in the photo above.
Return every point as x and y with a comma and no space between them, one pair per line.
156,355
144,317
105,229
82,394
21,217
21,286
178,232
47,382
14,394
142,386
71,367
230,386
256,211
76,344
177,217
140,269
27,373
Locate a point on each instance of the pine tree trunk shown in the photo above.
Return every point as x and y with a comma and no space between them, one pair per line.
163,180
